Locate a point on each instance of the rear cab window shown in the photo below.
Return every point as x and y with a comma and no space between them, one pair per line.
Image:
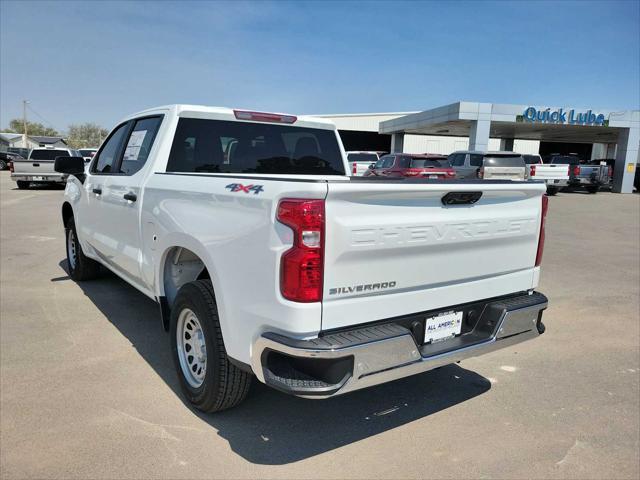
219,146
362,157
49,154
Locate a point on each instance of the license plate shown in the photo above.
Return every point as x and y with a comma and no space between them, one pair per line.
442,327
35,179
433,176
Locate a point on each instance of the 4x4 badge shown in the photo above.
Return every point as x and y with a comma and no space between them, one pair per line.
238,187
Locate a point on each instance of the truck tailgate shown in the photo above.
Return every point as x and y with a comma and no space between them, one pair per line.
33,167
504,173
394,248
549,172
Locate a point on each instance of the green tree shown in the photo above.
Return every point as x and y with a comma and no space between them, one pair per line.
86,135
15,126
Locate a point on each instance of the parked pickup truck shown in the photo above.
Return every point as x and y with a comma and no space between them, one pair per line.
272,262
38,167
581,174
554,175
359,162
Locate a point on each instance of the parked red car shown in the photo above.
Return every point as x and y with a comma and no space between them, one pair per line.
425,165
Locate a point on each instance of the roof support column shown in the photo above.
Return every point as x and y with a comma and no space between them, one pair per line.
397,142
479,135
626,159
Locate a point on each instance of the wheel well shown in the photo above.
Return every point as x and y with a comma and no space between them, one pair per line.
67,213
181,266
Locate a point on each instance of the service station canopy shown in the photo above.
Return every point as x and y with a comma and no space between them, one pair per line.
551,124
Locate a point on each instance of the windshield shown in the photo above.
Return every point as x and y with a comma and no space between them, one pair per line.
503,161
48,154
362,157
202,145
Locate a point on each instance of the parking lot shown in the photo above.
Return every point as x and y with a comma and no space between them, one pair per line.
88,389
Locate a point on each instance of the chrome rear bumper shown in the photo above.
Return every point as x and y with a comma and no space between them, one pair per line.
370,356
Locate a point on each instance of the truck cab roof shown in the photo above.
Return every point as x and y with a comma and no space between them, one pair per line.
225,113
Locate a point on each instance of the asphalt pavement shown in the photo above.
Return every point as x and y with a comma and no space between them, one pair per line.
88,389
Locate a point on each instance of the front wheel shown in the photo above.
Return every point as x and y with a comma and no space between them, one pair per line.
80,266
592,189
208,378
552,190
22,185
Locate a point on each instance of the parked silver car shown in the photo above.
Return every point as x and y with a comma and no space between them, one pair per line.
488,165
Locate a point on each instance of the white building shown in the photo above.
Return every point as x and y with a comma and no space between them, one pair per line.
589,133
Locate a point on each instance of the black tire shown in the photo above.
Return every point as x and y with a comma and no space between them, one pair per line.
22,185
224,385
3,165
83,268
551,191
592,189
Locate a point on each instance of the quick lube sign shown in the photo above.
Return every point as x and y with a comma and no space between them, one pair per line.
561,116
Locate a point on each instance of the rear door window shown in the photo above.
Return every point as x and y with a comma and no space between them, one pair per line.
139,144
457,160
218,146
475,160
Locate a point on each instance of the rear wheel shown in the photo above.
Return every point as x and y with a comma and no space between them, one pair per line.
22,185
552,190
592,189
3,164
207,377
80,267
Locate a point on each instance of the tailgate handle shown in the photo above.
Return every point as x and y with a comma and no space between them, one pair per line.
36,164
461,198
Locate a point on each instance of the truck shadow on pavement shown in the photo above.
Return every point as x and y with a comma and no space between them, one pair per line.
271,428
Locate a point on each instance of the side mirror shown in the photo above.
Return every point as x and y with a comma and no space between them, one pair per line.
69,165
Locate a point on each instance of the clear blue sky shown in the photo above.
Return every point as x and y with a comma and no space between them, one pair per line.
98,61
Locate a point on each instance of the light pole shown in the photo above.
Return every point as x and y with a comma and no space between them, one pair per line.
24,123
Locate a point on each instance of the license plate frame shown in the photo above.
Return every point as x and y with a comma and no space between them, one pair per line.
442,327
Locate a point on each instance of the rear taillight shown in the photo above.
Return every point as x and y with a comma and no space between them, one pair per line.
543,221
610,171
354,170
264,116
301,267
576,170
481,172
532,171
11,166
411,173
451,173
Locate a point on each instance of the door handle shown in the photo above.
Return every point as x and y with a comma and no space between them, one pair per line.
130,196
97,191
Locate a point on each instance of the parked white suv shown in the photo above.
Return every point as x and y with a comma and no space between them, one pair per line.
268,260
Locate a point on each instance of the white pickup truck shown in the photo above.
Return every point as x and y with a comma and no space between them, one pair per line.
268,260
555,175
38,167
